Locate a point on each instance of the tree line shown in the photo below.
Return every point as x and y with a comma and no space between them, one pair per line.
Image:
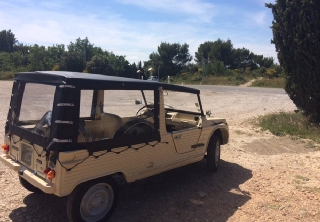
78,56
170,59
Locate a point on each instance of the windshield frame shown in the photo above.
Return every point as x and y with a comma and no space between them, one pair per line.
174,109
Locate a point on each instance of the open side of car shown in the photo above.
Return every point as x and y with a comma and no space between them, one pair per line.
70,133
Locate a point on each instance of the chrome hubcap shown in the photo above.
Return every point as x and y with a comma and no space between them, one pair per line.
97,202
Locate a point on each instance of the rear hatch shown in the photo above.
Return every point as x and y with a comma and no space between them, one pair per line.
31,114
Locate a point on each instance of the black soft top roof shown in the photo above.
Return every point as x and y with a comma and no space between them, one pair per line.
95,81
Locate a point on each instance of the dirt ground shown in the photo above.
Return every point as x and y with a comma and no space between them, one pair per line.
261,177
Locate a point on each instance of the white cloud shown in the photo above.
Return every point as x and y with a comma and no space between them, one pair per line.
107,28
120,36
203,11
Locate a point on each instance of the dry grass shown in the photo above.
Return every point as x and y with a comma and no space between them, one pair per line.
231,80
270,83
6,75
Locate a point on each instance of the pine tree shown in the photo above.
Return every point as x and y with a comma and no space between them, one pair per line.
296,35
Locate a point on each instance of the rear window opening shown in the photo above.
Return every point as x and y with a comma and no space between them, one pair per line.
36,105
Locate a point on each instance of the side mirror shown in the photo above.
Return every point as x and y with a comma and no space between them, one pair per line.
138,101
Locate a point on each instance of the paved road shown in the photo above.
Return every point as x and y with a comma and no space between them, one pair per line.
239,89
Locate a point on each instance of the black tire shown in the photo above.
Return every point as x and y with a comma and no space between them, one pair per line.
94,200
29,186
213,154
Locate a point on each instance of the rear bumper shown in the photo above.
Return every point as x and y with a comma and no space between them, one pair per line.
10,162
43,185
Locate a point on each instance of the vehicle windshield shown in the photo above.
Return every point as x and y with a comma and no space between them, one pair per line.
182,101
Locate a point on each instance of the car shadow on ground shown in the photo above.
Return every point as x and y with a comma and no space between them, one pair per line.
188,193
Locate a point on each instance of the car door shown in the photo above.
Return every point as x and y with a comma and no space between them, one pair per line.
186,140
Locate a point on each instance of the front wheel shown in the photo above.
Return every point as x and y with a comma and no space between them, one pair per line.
213,154
93,201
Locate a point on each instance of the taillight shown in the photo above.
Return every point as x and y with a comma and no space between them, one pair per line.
50,173
5,148
46,171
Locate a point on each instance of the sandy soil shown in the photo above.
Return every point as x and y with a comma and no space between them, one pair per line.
261,177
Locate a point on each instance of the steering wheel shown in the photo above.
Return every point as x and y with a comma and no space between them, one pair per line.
146,110
43,126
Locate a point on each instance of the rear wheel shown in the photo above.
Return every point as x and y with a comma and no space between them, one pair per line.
29,186
213,154
93,201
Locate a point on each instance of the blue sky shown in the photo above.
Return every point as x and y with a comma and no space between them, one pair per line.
135,28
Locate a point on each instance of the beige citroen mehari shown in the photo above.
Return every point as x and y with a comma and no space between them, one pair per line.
70,133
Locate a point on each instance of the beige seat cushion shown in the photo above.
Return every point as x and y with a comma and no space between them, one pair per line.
110,123
104,127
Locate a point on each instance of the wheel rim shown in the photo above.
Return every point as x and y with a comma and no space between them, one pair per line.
97,202
217,153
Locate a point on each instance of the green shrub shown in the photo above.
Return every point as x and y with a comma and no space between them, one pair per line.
196,77
293,124
6,75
